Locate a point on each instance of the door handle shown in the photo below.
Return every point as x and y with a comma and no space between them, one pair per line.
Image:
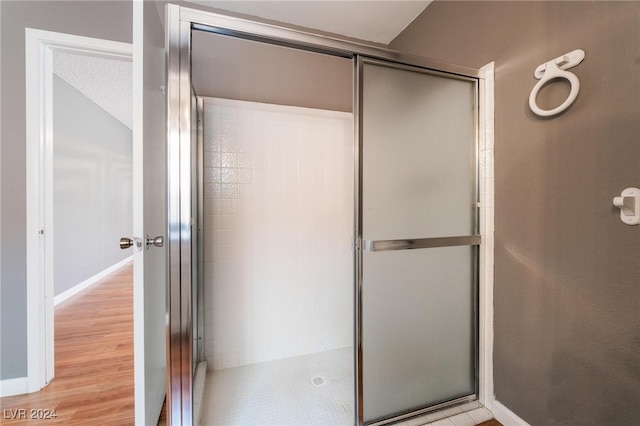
126,243
157,241
421,243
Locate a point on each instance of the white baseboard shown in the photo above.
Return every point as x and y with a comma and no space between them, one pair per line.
17,386
89,281
506,416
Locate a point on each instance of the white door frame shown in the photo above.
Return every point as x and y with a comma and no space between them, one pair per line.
40,47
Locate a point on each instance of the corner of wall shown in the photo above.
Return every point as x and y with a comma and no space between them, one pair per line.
486,175
505,416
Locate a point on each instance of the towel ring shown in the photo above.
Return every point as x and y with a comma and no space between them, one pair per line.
556,69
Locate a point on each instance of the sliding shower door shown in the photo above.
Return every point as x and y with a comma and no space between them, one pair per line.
418,227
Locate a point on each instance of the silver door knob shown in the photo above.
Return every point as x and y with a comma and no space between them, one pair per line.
157,241
125,243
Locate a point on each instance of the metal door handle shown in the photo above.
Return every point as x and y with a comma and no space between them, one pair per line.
125,243
157,241
420,243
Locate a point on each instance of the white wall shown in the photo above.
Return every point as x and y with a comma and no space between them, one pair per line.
278,228
92,187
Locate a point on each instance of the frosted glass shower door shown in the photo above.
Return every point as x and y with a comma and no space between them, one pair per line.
418,255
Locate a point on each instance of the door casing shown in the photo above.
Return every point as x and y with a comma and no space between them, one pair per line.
40,48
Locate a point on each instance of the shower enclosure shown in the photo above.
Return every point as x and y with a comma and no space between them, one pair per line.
413,260
278,208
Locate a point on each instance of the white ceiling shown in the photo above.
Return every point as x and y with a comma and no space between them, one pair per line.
379,21
107,82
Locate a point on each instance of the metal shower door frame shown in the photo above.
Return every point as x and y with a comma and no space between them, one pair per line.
474,240
180,21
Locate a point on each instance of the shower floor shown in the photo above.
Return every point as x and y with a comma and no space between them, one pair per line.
315,389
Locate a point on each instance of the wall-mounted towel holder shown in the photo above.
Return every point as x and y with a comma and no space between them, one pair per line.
554,69
629,204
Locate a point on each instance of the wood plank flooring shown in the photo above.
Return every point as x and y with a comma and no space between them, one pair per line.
162,420
492,422
93,382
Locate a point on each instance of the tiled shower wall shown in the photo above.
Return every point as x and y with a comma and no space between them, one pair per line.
278,203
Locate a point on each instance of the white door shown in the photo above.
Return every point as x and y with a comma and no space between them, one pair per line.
150,217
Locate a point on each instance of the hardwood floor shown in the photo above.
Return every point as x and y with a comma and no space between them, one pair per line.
162,420
93,382
492,422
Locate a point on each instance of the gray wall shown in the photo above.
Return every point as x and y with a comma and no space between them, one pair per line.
567,271
244,70
102,19
92,187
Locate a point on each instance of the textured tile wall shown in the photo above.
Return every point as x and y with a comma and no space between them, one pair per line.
278,184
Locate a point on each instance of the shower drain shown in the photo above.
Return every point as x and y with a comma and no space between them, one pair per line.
318,381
